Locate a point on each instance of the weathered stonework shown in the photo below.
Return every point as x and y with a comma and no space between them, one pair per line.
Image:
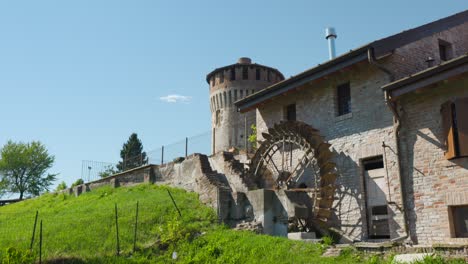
435,183
228,125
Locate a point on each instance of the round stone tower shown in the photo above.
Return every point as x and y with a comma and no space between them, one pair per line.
229,84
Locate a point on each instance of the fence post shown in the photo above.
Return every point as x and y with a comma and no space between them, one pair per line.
117,229
175,205
135,233
40,244
34,231
186,147
162,155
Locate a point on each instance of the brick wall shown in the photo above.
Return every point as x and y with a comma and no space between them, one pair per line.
354,137
411,58
434,182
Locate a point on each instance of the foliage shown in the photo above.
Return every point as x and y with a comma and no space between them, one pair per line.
82,230
77,182
253,137
17,256
436,259
328,240
23,168
108,171
62,186
132,154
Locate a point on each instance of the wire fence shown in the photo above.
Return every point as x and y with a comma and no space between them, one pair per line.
201,143
112,230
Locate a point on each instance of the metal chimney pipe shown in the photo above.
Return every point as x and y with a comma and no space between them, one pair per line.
330,34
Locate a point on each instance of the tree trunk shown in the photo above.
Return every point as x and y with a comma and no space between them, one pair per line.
21,195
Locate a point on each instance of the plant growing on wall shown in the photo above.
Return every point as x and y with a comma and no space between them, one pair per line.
108,171
62,186
132,154
77,182
23,168
253,137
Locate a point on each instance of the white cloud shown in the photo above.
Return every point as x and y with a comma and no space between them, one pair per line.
175,98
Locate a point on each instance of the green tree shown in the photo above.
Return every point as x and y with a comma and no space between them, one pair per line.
108,171
132,154
253,137
23,168
62,186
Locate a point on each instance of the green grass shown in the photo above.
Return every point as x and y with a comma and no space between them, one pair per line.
82,230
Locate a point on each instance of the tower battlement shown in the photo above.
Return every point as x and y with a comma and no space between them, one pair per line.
229,84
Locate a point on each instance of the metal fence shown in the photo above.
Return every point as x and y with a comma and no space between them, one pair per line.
201,143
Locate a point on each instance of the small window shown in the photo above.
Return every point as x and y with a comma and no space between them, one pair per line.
241,93
213,80
233,74
257,74
235,95
459,220
380,210
290,113
218,117
230,97
455,128
221,77
344,99
245,73
445,50
268,76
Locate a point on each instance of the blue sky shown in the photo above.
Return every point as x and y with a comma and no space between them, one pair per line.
81,76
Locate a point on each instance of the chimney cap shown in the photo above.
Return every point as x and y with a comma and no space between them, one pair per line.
330,32
244,60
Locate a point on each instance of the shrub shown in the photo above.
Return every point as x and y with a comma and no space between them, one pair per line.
78,182
62,186
17,256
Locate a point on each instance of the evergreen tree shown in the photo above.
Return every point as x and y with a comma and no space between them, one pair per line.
132,154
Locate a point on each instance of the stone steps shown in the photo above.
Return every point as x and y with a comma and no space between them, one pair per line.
332,252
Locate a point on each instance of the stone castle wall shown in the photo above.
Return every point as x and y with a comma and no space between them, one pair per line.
228,125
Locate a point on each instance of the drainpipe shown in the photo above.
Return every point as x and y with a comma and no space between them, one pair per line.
396,131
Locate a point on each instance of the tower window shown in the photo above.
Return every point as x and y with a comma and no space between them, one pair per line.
218,117
290,112
257,74
245,73
213,80
445,50
221,77
233,74
344,99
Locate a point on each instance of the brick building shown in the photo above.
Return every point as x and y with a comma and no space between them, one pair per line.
395,112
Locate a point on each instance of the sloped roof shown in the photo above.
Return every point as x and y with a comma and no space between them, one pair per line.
380,48
429,76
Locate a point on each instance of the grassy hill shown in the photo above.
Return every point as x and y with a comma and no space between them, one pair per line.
83,230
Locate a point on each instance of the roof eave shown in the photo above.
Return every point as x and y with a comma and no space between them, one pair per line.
427,77
312,74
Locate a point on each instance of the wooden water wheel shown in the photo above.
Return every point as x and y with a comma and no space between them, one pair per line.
294,156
